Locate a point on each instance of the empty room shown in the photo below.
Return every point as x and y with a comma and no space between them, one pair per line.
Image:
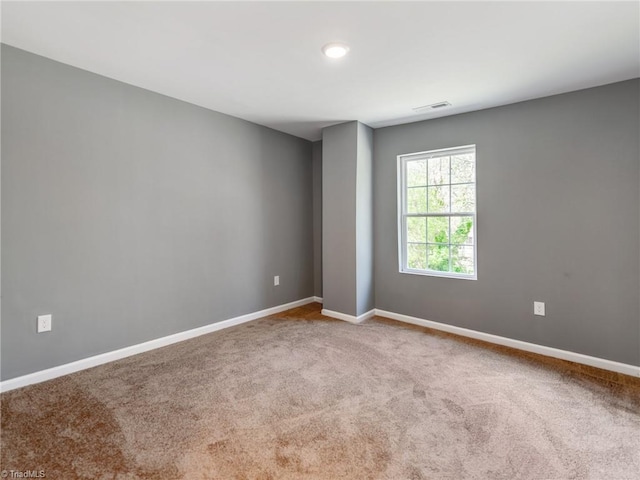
320,240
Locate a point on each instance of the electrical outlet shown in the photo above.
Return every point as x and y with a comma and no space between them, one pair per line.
44,323
276,280
538,308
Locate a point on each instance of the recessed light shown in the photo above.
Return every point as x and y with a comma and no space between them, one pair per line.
335,50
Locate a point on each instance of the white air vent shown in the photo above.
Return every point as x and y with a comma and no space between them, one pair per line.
433,106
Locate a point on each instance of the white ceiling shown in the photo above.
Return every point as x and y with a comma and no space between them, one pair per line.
261,61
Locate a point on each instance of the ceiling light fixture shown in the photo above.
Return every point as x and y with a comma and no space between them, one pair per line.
335,50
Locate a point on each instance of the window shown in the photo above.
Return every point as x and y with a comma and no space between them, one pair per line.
437,212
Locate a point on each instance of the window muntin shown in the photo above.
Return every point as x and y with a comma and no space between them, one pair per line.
437,212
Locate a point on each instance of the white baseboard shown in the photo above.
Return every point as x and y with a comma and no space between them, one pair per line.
518,344
107,357
348,318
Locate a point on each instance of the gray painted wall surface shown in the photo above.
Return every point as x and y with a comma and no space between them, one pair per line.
316,159
339,147
364,220
130,216
558,221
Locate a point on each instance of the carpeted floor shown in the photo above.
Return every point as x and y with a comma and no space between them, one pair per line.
300,396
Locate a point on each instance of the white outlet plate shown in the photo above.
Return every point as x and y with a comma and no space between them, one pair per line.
276,280
44,323
538,308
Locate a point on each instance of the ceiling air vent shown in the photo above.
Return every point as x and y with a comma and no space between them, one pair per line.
433,106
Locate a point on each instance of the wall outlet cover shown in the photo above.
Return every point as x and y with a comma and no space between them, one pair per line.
538,308
44,323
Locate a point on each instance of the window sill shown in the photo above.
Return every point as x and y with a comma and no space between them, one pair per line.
434,273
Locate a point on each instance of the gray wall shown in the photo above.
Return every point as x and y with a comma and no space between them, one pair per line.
347,218
316,160
130,216
558,221
364,220
339,150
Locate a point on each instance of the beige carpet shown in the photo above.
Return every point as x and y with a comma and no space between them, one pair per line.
304,397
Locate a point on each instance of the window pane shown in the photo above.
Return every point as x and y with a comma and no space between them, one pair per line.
463,168
462,230
438,230
417,256
417,229
438,214
463,198
439,199
462,259
438,171
416,173
417,200
438,258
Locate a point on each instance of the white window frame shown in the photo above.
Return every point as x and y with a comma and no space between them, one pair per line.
402,213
